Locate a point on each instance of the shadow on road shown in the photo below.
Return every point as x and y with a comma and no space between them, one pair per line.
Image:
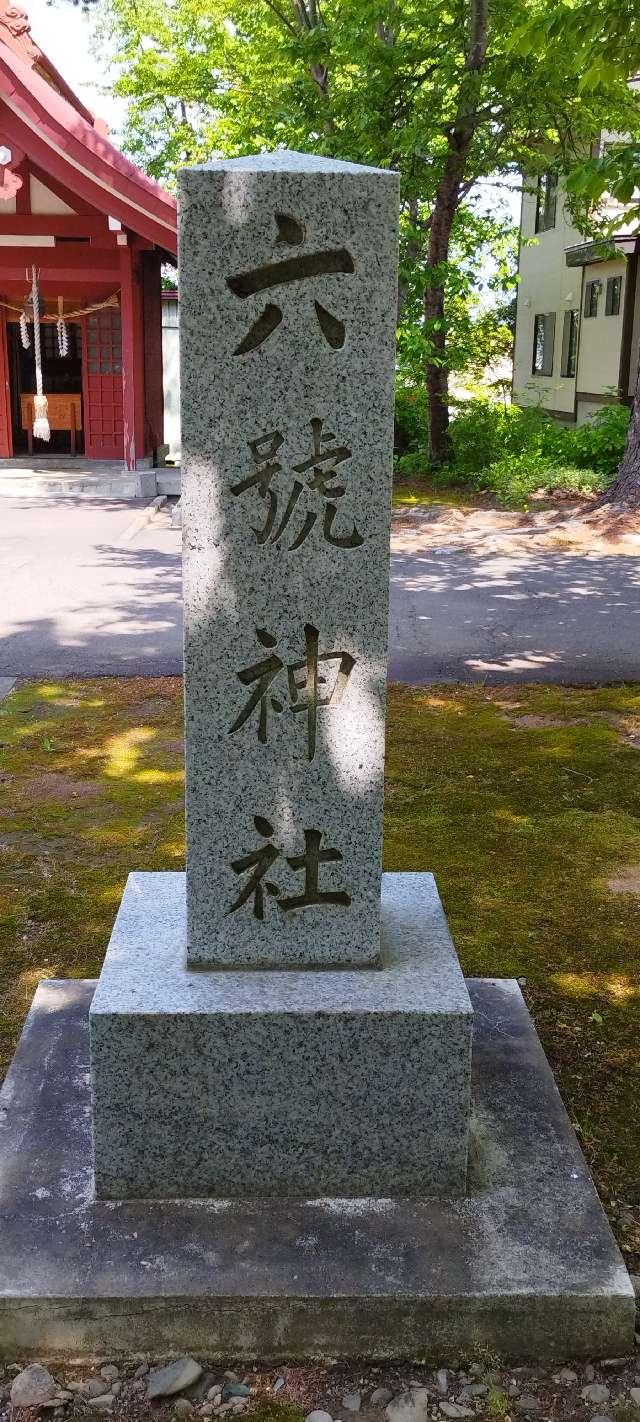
456,613
132,626
466,615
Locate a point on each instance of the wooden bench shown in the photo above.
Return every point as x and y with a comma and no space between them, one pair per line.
64,412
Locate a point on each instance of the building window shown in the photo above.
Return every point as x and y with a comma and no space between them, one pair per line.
544,329
613,296
591,293
546,202
570,343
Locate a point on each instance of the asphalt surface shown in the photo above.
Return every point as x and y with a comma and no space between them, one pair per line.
80,595
80,598
529,615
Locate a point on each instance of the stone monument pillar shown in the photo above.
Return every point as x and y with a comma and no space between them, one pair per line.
288,299
349,1071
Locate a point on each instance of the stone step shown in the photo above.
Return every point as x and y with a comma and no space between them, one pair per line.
130,486
168,480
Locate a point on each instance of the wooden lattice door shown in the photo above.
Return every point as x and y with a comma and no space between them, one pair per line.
102,385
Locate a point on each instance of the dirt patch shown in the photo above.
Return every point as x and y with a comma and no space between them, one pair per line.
153,706
627,728
476,1386
626,881
54,785
545,723
559,529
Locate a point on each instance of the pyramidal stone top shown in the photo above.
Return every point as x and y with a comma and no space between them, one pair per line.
284,160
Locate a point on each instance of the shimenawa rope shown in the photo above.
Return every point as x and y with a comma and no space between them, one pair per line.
41,428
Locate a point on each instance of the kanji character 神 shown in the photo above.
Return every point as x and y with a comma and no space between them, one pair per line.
305,692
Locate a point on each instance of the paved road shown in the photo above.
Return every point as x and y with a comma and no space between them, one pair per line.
78,597
528,615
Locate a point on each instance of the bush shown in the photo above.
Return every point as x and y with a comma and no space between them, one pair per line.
410,435
482,434
512,451
516,477
600,443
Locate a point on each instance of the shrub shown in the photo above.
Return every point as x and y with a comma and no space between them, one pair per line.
482,433
512,451
514,478
411,466
411,421
599,444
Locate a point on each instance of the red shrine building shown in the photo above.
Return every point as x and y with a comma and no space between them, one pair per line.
93,232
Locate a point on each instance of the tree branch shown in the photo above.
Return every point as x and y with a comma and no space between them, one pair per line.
287,23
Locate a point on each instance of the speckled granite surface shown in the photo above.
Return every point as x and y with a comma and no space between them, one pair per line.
288,290
310,1082
524,1266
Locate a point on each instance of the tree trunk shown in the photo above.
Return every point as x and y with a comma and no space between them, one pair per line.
447,201
437,375
625,489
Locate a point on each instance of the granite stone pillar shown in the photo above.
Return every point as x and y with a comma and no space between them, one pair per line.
275,1068
288,292
289,1021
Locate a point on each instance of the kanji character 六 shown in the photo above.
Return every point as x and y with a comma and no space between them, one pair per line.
334,260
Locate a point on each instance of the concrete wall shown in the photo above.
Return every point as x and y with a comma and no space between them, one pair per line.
546,285
600,341
171,376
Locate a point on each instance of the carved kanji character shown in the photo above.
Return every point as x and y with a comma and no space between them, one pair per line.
334,260
309,864
260,860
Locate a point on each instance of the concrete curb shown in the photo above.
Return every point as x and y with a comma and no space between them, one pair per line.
145,517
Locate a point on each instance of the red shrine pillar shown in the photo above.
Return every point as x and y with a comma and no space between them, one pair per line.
132,357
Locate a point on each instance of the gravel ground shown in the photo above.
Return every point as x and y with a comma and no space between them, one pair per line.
605,1390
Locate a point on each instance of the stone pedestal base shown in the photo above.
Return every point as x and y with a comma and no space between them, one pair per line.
525,1266
250,1083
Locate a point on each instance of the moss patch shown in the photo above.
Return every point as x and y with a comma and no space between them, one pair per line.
524,801
90,787
409,492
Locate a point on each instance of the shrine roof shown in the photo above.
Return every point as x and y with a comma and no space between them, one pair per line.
42,119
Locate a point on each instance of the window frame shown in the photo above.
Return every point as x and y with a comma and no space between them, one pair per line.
591,290
546,201
548,328
570,331
614,284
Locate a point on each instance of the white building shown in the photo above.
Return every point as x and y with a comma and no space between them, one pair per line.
578,316
171,373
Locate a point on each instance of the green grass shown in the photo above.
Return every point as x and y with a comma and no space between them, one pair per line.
423,490
524,802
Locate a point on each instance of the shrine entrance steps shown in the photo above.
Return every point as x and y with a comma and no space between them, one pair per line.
54,477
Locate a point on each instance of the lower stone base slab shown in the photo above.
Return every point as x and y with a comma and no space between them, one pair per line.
525,1266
